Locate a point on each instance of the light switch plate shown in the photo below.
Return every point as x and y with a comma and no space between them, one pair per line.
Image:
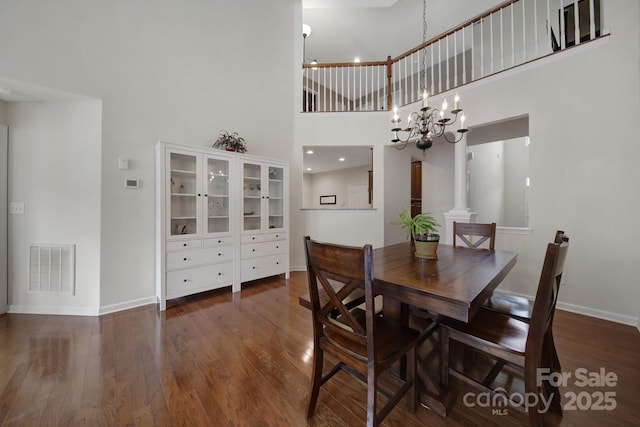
123,163
16,208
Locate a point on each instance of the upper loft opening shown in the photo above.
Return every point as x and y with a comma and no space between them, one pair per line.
506,36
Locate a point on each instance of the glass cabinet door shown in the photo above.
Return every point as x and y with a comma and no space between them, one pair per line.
183,200
217,196
275,198
252,196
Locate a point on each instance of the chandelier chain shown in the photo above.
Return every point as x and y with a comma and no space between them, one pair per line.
428,122
424,44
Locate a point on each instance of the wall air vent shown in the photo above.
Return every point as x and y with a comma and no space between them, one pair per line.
52,268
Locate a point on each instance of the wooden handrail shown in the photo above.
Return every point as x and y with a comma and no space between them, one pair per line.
347,64
455,29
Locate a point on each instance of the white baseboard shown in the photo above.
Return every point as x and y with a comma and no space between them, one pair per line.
80,311
298,268
587,311
56,310
127,305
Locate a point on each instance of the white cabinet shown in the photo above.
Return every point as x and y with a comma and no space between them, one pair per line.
195,220
222,219
264,240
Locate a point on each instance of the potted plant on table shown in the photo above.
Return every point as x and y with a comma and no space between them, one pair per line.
421,228
231,142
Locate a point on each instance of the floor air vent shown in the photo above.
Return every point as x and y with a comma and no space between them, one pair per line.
52,268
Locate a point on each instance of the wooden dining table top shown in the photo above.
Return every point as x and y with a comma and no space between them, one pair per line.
455,285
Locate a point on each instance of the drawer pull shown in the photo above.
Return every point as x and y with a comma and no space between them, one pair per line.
219,241
253,268
277,247
219,274
253,238
184,244
185,280
253,250
277,263
219,254
185,259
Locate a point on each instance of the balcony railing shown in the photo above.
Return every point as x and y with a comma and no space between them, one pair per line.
513,33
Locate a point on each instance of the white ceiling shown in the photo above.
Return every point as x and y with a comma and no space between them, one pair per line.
326,158
374,29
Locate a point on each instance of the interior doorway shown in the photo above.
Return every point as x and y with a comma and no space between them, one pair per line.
416,188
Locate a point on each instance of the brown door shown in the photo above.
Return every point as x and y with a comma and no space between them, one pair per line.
416,188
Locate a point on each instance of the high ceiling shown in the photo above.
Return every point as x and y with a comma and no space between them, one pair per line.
371,30
341,31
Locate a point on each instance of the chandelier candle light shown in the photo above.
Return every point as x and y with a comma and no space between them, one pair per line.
428,123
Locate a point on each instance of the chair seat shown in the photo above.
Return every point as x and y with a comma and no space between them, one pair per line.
392,338
511,305
495,328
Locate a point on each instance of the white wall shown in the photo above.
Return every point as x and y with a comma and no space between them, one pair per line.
178,71
336,183
486,182
3,112
349,227
397,191
55,170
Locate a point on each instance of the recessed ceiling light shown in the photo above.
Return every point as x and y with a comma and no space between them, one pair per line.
309,151
341,159
309,169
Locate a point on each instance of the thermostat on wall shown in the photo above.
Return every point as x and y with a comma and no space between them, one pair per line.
131,183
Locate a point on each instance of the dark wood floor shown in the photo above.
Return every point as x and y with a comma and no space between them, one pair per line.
244,359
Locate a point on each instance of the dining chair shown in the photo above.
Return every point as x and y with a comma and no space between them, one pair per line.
521,308
474,234
513,305
511,341
363,343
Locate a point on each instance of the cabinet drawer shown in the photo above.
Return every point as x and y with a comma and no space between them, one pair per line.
274,236
191,280
182,259
221,241
255,238
184,244
253,250
256,268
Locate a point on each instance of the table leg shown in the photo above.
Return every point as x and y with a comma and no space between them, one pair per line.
432,395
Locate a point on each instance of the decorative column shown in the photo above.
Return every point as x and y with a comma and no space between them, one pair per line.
460,211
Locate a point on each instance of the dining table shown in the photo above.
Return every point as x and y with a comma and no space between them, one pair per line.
454,285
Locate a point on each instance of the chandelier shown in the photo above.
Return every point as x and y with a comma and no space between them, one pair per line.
428,123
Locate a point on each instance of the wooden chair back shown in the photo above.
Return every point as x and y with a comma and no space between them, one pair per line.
541,322
351,266
474,234
367,344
